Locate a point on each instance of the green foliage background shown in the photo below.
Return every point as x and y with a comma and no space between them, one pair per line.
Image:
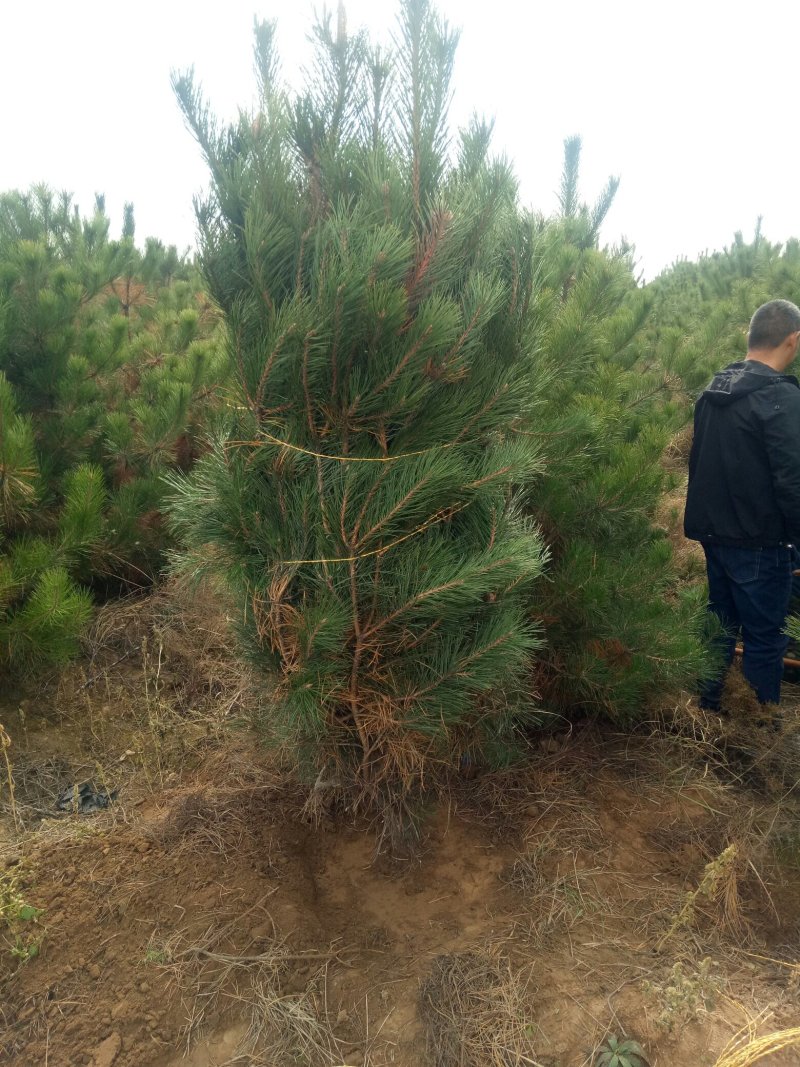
371,289
108,372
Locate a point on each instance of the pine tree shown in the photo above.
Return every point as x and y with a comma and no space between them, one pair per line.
620,631
701,310
106,364
41,609
364,501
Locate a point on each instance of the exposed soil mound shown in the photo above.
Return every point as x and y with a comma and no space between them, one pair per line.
211,922
644,887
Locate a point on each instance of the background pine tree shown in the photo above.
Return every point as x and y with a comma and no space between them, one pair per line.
620,630
702,309
107,361
701,314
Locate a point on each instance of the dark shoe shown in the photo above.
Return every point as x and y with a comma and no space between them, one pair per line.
771,720
708,705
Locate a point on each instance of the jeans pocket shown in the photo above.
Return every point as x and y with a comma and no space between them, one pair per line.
743,564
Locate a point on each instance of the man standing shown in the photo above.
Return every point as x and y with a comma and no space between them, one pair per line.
743,501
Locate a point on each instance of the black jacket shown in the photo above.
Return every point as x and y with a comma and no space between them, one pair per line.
744,467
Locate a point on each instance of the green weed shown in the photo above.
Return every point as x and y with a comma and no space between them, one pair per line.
681,998
16,918
616,1053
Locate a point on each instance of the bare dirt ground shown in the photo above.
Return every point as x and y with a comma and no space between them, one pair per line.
646,887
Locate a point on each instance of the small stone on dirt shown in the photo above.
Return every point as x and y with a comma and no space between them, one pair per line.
144,987
119,1009
94,970
143,846
107,1051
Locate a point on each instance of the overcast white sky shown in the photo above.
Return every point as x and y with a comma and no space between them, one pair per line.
693,104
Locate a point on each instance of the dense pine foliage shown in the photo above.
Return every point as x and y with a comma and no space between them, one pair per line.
107,372
619,631
418,430
366,504
701,310
439,391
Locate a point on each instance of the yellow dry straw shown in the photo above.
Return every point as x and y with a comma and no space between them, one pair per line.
758,1048
5,745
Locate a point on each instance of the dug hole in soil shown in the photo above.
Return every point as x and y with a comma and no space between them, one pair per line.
646,887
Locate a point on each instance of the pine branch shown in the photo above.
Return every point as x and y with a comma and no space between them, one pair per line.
568,195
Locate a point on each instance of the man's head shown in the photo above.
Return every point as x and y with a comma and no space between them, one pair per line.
774,333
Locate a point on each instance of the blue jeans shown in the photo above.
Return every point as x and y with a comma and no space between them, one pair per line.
749,591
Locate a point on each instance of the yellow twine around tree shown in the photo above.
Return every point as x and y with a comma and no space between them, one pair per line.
439,517
339,459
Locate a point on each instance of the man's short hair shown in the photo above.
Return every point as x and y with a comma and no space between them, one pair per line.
772,324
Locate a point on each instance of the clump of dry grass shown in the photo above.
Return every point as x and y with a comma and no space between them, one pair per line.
222,968
525,874
676,454
756,746
182,641
738,696
160,681
750,746
477,1012
221,820
204,823
5,745
746,1049
286,1028
544,788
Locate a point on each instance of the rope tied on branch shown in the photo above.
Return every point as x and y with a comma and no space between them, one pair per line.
441,516
269,438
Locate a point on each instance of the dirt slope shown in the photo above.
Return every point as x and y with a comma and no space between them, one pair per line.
211,916
645,887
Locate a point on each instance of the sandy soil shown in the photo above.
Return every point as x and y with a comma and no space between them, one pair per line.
646,887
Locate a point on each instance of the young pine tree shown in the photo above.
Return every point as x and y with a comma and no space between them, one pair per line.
42,610
106,369
621,633
363,502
